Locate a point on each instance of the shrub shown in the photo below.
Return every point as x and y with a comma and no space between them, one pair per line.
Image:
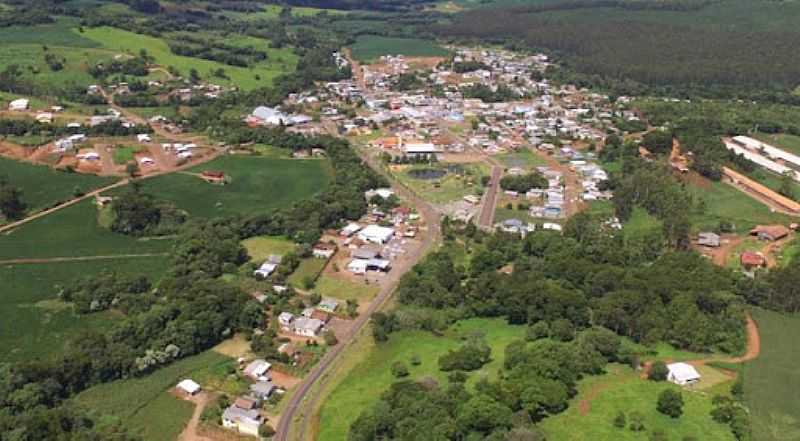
670,402
399,369
658,371
619,420
330,338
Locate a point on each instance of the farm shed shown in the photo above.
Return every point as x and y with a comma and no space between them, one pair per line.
682,374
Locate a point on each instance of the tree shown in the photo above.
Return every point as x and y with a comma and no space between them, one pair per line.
11,204
351,308
619,420
670,402
483,414
266,431
399,369
194,76
658,371
787,185
330,338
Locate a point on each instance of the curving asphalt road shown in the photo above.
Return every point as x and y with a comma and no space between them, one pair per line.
304,398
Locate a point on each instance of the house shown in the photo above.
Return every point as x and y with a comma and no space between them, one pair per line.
45,118
708,239
19,105
328,305
147,161
143,138
268,116
258,369
243,420
682,374
213,176
384,193
188,386
262,389
285,319
351,229
364,254
307,327
376,234
751,260
357,266
246,403
770,232
323,251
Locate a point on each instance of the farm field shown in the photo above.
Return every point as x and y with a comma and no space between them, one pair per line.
257,185
35,323
61,33
280,60
725,203
144,405
260,247
622,389
772,381
363,385
43,186
369,48
73,232
271,12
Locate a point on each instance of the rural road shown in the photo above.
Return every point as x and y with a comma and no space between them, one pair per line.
303,400
78,259
490,199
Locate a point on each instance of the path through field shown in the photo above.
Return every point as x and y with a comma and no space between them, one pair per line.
189,433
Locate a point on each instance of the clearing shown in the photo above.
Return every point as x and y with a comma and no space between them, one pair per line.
723,202
260,247
368,48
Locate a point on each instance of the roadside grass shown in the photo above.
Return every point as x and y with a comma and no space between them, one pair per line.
73,232
368,48
35,323
622,389
308,269
725,203
44,186
450,187
339,288
523,158
772,381
260,247
370,377
144,404
790,143
124,154
256,185
280,61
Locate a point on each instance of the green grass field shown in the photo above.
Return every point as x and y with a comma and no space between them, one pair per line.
369,48
144,405
260,247
61,33
772,381
308,268
73,232
257,185
621,389
342,289
280,60
363,385
523,158
124,154
724,202
35,323
43,186
450,187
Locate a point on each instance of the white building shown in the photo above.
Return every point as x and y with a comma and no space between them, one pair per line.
258,369
188,386
265,269
376,234
243,420
682,374
19,105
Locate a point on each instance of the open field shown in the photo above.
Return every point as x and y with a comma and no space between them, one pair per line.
280,60
43,186
73,232
340,288
724,202
449,187
61,33
523,158
772,381
76,63
256,185
363,385
124,154
271,12
308,269
369,48
35,323
260,247
144,405
600,398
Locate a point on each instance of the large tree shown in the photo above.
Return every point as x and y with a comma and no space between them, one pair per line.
11,204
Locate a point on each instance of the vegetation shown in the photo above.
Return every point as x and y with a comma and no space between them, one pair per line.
369,48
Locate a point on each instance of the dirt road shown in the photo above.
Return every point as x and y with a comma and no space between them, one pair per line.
189,433
78,259
303,401
489,203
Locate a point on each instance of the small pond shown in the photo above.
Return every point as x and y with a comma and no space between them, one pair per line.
427,174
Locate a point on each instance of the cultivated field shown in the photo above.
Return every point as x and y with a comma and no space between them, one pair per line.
725,203
369,48
43,186
772,381
256,185
363,385
35,323
144,404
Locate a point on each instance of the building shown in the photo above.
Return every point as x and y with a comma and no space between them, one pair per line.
213,176
307,327
708,239
265,269
258,369
262,389
384,193
323,251
421,149
188,387
376,234
751,260
351,229
19,105
682,374
770,232
285,319
328,305
246,421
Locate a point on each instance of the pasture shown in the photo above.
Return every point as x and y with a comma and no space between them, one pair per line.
772,381
73,232
723,202
590,414
280,60
62,33
256,185
308,269
35,323
368,48
44,186
370,375
340,288
144,405
260,247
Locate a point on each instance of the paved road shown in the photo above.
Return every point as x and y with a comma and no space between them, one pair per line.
486,218
303,400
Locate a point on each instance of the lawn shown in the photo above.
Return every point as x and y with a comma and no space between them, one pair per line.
308,269
369,48
523,158
144,405
371,376
450,187
340,288
260,247
73,232
35,323
622,389
279,61
124,154
256,185
724,202
44,186
772,381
